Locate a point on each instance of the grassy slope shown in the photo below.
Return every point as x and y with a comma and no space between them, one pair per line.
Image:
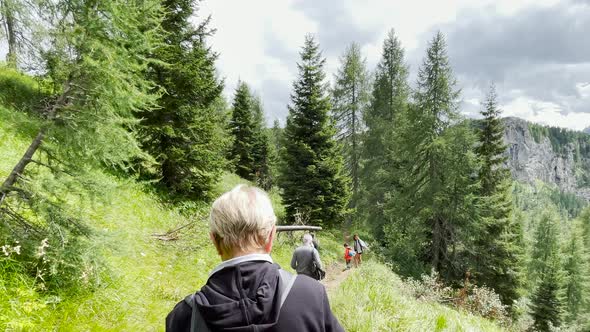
372,299
146,277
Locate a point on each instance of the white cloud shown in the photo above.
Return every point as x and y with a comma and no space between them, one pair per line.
545,113
583,90
258,42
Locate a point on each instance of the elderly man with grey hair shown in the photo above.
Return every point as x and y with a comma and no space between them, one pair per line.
304,257
248,291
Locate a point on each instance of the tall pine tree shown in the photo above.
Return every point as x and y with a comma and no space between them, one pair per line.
262,152
389,99
546,271
242,127
350,96
312,178
431,212
576,276
185,135
497,252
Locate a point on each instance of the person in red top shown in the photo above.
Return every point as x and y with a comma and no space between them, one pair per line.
348,253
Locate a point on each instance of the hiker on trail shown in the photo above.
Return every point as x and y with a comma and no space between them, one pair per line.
348,254
315,242
306,259
359,246
247,291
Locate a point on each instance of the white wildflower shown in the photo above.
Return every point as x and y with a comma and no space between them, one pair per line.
5,250
16,249
41,248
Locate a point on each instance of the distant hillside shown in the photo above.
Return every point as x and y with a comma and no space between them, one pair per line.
549,154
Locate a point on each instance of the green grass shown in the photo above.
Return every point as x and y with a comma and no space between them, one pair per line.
372,299
143,278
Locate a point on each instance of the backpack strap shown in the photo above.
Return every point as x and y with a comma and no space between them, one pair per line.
198,324
285,283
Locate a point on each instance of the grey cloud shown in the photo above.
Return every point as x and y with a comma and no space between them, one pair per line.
276,97
276,48
336,25
542,51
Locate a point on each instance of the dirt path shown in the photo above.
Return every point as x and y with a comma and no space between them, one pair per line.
334,276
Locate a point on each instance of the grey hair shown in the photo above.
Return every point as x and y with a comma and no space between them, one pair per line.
242,218
307,240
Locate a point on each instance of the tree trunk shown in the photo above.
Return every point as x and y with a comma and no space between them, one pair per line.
19,168
282,228
436,243
9,23
355,176
22,163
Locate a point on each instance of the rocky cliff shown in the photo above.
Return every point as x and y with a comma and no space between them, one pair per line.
552,155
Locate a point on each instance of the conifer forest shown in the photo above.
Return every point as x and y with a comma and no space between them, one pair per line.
121,121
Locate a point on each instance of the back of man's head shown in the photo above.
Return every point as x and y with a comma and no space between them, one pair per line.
242,219
307,240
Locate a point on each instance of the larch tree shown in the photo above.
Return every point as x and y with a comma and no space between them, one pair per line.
96,58
313,179
496,253
16,17
185,134
350,96
242,127
430,213
388,100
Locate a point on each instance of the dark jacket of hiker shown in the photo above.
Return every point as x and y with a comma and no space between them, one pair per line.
303,258
244,297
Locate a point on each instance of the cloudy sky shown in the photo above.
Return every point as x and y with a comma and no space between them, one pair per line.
537,52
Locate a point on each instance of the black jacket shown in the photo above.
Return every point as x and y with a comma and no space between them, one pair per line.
245,297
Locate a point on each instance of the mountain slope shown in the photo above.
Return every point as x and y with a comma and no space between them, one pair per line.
142,277
552,155
373,298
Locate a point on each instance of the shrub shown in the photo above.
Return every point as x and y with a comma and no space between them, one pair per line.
485,302
481,301
20,91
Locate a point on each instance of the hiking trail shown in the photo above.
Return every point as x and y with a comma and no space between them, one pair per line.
334,276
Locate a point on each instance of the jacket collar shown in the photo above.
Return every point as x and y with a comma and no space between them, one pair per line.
241,259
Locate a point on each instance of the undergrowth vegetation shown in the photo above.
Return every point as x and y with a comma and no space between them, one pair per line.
373,298
131,279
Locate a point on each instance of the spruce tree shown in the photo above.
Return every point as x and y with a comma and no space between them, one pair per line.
276,135
430,215
389,98
576,278
261,148
546,307
185,135
497,252
350,96
312,178
242,128
545,268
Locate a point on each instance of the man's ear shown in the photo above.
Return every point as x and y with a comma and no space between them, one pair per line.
215,243
271,238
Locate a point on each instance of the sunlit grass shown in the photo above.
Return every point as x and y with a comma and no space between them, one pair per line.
371,299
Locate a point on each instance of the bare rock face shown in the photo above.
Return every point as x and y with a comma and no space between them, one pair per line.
530,159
